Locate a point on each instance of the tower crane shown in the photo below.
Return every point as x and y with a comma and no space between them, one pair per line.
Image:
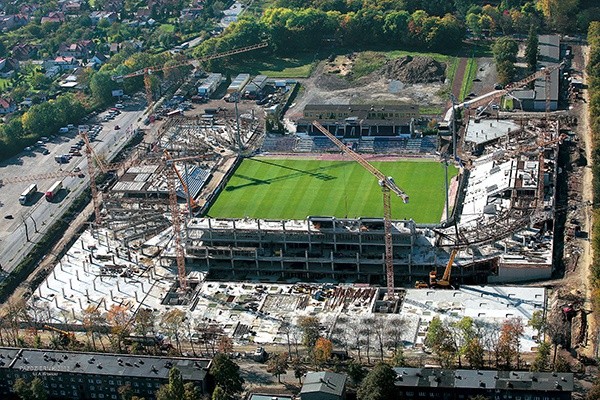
146,72
92,158
387,184
487,98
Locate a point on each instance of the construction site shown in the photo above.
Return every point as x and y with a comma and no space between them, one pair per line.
153,244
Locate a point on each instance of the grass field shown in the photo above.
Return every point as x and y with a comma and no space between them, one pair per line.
264,187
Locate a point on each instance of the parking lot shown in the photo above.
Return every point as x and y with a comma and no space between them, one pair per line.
30,221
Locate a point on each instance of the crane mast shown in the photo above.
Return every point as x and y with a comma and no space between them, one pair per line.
387,185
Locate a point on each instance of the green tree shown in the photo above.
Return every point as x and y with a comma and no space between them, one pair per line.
505,49
220,394
399,360
378,384
227,374
33,390
538,322
531,51
101,86
23,389
173,390
356,372
277,365
440,340
542,358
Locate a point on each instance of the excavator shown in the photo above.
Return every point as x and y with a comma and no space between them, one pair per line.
443,283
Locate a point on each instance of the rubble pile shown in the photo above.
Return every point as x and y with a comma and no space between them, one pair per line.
417,69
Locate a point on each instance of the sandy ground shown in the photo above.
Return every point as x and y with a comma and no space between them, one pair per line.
327,88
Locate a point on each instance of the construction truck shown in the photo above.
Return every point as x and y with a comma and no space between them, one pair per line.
66,338
444,282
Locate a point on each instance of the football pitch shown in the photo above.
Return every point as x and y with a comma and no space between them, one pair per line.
272,188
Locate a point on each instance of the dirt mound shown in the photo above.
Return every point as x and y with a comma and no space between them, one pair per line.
417,69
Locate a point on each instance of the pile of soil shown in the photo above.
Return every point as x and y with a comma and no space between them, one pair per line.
417,69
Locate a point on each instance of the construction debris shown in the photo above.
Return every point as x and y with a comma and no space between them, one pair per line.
417,69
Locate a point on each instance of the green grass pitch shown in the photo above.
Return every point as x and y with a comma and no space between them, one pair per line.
269,188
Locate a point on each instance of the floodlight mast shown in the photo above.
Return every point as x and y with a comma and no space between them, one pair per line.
387,184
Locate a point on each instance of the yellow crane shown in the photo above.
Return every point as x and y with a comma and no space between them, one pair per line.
443,283
387,185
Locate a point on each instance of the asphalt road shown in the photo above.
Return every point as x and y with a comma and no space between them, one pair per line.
34,219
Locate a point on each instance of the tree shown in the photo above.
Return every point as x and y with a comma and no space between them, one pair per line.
531,52
509,343
220,394
378,384
594,392
144,321
537,322
172,321
91,320
33,390
310,330
356,372
278,365
505,49
101,86
399,360
474,353
559,13
542,358
439,339
299,369
118,320
322,351
173,390
227,374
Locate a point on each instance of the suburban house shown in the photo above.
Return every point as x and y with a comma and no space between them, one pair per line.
81,49
27,9
142,14
97,16
7,105
324,385
54,17
23,52
64,63
71,7
190,14
98,60
8,22
8,67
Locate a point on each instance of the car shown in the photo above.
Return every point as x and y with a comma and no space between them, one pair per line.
77,153
119,105
28,148
117,127
39,143
9,216
76,169
495,107
45,152
44,139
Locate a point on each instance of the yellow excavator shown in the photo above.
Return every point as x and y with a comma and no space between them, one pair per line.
443,283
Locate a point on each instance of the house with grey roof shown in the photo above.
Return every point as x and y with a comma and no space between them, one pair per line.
323,385
549,54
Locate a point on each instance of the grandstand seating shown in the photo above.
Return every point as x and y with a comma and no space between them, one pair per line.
367,144
196,178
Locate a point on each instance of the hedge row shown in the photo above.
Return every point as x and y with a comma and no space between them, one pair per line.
593,70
